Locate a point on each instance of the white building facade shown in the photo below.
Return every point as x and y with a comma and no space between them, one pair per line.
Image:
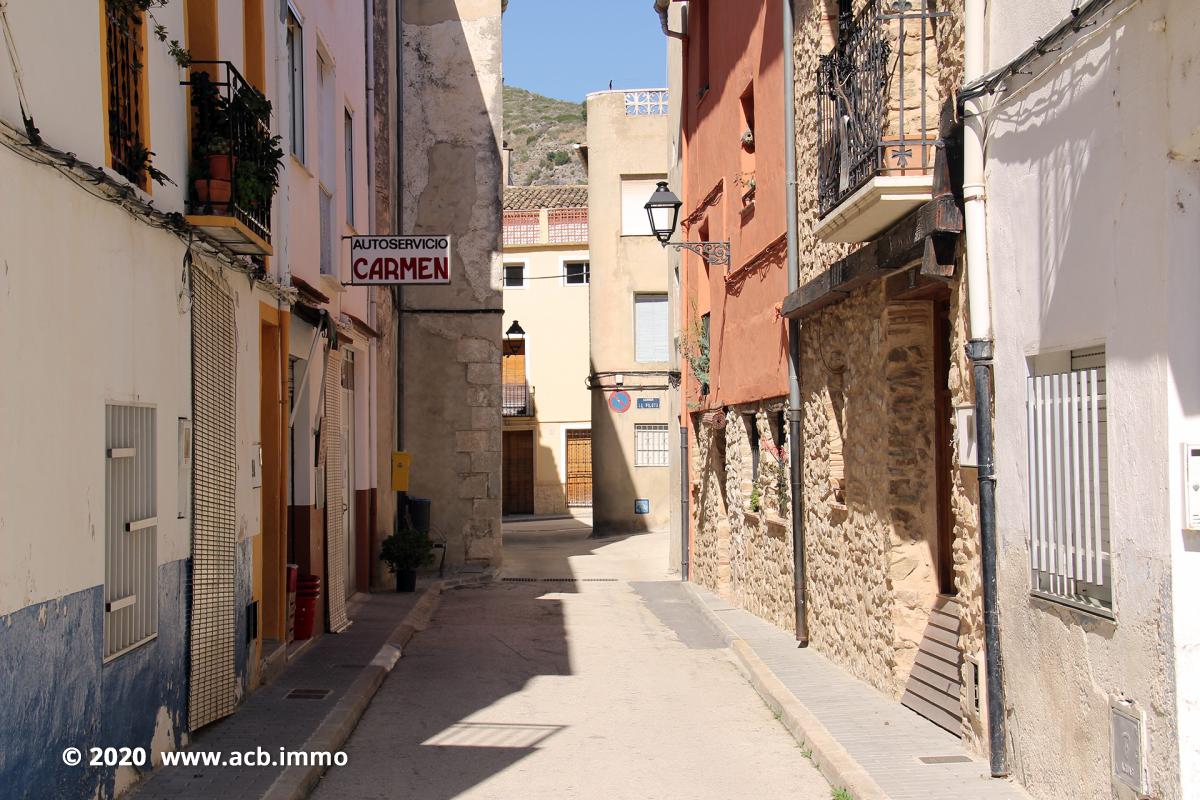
1093,208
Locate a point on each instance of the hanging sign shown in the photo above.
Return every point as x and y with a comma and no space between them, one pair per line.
394,260
619,402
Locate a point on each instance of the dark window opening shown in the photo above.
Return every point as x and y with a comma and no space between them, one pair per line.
578,273
514,276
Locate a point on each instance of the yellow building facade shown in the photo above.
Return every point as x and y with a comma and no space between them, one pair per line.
547,407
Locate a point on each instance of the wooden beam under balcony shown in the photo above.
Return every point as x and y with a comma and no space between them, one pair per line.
233,233
901,246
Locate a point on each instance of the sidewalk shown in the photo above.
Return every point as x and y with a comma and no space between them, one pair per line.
351,666
861,740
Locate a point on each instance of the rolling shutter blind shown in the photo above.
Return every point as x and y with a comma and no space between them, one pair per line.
650,327
211,688
335,503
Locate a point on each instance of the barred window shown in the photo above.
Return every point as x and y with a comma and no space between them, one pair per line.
1070,551
651,445
125,45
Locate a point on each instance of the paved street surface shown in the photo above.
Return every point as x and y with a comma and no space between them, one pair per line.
586,673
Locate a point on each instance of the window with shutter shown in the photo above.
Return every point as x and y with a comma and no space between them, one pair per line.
650,328
1067,431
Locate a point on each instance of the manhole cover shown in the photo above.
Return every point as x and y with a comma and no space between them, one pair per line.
308,694
944,759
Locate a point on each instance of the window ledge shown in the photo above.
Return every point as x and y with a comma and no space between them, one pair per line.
1100,613
880,203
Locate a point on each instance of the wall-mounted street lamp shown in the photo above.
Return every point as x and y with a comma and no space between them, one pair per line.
663,210
515,332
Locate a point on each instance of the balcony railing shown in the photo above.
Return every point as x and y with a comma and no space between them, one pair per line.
877,98
518,401
234,170
647,103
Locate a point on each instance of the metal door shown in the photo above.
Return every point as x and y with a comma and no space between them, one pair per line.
579,468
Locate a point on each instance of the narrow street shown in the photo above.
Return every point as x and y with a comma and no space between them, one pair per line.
583,673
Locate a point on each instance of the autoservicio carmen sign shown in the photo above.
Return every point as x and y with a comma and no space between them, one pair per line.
390,260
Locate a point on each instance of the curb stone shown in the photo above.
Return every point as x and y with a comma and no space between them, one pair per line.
830,757
298,782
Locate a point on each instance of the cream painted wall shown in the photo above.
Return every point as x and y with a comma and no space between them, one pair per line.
622,266
75,342
1092,227
554,316
59,46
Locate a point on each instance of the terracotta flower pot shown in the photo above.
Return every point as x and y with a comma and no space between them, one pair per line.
214,193
220,166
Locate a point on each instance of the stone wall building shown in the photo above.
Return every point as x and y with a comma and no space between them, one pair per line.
888,516
443,349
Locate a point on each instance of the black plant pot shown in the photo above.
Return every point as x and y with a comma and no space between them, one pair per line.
406,580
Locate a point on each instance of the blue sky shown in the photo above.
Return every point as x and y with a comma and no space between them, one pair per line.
567,48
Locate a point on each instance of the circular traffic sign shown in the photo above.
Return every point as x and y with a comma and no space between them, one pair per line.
619,402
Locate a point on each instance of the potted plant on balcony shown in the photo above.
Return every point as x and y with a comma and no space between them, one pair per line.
256,175
406,551
213,158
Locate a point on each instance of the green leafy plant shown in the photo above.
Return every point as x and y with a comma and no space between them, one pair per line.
841,793
128,14
693,346
142,161
755,499
406,550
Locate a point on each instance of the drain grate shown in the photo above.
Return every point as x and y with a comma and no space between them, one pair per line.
562,580
308,694
944,759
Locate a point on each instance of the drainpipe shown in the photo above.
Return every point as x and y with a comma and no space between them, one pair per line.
979,350
685,520
795,449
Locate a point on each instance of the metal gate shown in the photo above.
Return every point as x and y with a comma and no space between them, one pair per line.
212,682
579,468
335,501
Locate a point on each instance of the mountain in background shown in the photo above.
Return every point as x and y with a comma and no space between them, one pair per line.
542,133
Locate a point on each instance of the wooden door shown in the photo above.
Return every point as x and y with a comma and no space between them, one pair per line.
518,472
579,468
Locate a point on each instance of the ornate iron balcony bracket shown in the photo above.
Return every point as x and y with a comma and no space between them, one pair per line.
714,253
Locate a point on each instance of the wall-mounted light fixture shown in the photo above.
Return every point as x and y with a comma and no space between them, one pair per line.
663,210
515,332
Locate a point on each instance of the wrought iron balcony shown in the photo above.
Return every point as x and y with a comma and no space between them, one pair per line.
518,400
235,159
877,100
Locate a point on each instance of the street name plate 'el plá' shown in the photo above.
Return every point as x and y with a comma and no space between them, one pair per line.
392,260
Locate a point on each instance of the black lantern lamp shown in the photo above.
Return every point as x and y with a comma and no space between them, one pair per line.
515,332
663,210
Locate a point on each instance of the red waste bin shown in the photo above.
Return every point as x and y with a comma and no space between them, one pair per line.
307,593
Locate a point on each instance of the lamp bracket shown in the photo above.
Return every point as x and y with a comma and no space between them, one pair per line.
715,253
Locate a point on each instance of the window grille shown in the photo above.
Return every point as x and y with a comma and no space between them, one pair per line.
577,273
568,225
650,328
522,227
130,529
1067,429
651,445
124,51
646,103
514,276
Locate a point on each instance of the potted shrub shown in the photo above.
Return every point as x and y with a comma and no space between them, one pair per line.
406,551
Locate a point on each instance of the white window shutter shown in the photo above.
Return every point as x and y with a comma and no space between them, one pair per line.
650,328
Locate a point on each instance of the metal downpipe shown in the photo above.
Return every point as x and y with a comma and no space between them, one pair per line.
684,511
795,446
